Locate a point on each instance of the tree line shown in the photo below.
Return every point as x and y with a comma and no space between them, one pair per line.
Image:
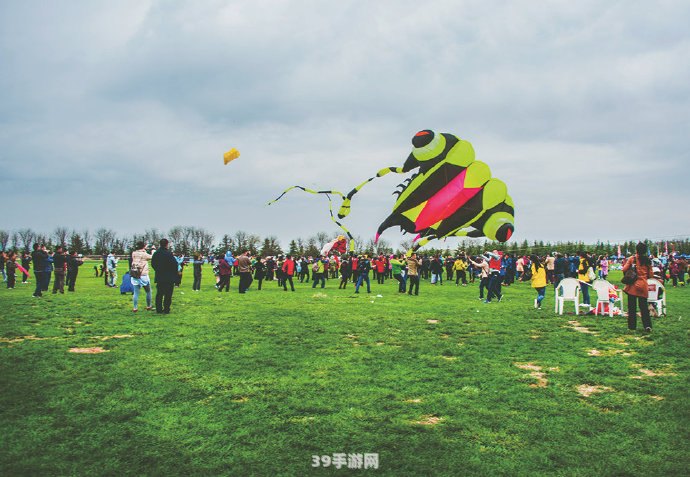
189,240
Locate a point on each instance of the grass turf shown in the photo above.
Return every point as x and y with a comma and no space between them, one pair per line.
256,384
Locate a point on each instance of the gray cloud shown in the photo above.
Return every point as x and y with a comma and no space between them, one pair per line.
581,108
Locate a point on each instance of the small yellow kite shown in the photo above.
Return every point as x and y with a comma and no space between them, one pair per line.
231,155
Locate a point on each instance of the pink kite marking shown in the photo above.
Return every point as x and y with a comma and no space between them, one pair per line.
445,202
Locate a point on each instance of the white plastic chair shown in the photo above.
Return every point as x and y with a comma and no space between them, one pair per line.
656,295
602,288
568,290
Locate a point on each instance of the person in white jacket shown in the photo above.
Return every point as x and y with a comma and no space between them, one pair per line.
140,267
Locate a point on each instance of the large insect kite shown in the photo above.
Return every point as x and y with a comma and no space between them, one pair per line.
450,195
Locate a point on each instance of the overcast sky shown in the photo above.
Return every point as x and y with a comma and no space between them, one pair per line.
117,113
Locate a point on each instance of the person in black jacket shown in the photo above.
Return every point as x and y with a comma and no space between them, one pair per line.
74,261
60,264
26,263
165,265
38,256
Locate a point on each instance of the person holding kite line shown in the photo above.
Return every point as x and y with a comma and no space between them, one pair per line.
140,267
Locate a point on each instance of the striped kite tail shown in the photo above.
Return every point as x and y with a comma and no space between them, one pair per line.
328,194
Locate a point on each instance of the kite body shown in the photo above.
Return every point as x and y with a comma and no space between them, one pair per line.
339,245
451,194
231,155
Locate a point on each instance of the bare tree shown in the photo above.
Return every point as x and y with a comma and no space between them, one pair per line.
42,238
322,238
175,236
405,245
60,234
105,239
15,240
27,237
4,239
86,237
205,241
153,236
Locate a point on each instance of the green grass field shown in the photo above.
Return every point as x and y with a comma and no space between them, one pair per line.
256,384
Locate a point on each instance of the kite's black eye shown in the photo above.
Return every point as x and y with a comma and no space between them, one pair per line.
504,232
422,138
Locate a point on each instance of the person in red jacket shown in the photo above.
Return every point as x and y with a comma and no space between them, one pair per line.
637,292
288,272
380,269
225,272
355,265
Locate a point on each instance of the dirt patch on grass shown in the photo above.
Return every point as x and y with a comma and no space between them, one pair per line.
609,352
114,337
537,372
413,401
94,350
433,322
19,339
577,326
648,373
428,420
586,390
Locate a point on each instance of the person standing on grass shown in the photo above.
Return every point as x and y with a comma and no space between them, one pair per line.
224,272
37,257
317,270
259,271
140,263
495,263
436,270
397,269
197,264
74,261
11,269
560,269
47,269
363,267
449,263
603,267
345,272
538,280
60,264
413,267
112,269
26,263
354,263
3,260
165,265
288,272
550,265
482,265
637,291
244,263
582,276
380,270
460,266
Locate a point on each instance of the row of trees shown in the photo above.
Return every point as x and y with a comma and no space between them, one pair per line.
189,239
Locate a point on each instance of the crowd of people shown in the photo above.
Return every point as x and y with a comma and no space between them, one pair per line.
493,270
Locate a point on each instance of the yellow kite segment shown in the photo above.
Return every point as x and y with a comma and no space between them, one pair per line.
231,155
